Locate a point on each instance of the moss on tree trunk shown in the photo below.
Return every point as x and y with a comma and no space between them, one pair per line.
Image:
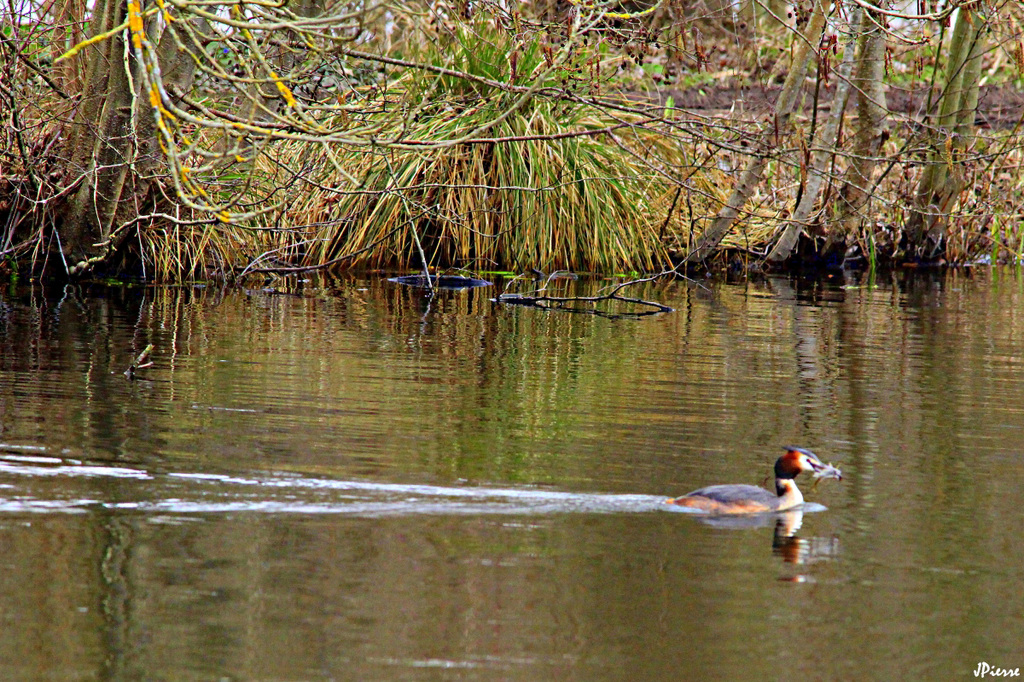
943,179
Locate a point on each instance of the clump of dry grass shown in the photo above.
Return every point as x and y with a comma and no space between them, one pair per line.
580,203
556,185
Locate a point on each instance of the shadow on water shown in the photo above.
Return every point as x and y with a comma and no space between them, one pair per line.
447,282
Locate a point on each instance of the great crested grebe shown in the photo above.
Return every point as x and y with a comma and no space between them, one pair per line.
750,499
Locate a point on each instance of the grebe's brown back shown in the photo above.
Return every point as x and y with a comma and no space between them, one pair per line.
750,499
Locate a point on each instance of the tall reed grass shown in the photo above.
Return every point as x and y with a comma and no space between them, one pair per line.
557,184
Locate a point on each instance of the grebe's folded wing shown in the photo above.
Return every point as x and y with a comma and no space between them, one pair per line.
729,499
732,494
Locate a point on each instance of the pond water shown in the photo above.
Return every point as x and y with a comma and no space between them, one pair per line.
350,480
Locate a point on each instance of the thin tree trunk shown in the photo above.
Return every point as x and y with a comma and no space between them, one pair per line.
941,182
807,44
826,148
871,111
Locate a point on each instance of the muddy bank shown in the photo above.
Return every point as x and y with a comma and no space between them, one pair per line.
999,106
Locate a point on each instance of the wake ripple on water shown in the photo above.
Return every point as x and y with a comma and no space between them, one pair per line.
193,493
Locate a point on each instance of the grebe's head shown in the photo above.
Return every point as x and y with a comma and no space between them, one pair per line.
797,460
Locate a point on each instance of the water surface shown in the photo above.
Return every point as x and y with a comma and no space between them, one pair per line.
347,479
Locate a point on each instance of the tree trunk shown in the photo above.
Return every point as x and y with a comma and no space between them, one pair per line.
114,146
826,148
102,142
871,111
942,182
807,44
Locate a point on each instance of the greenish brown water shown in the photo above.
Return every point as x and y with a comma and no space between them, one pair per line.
352,482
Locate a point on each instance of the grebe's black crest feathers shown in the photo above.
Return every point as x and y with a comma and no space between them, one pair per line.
802,451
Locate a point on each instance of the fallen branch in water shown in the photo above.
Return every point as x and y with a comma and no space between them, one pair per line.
141,362
538,299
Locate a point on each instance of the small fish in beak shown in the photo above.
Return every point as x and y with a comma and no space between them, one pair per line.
822,470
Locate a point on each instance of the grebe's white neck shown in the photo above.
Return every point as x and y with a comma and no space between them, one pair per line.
789,495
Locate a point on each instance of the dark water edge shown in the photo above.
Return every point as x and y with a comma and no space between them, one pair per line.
347,479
